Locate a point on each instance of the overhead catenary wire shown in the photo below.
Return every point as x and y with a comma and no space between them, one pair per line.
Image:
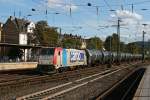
106,4
85,5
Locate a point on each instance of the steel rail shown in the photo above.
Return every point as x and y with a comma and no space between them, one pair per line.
73,85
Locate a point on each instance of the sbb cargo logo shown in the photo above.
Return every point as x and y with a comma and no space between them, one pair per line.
76,56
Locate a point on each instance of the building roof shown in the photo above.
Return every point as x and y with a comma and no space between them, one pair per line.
21,24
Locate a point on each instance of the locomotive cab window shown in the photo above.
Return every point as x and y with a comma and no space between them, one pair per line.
59,53
47,51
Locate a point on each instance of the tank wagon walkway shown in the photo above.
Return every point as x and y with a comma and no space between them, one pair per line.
143,90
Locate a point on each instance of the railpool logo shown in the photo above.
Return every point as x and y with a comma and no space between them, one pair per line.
76,56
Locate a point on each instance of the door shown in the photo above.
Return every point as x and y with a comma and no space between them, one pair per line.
58,58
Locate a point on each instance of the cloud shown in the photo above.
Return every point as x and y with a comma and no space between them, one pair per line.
61,4
141,28
54,3
73,7
127,17
128,14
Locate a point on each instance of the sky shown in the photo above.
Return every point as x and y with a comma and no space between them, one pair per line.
76,17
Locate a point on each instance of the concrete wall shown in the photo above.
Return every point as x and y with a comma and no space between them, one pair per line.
18,66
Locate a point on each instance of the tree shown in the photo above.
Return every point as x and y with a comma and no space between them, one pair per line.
132,48
108,43
71,43
39,29
122,47
94,43
50,36
46,34
113,41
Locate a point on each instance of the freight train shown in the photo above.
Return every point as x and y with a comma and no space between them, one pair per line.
56,58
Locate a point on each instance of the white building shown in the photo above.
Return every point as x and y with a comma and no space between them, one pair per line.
30,27
24,38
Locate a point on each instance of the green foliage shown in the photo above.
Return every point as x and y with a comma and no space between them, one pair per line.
71,43
50,36
108,43
112,42
47,35
94,43
122,47
132,48
115,42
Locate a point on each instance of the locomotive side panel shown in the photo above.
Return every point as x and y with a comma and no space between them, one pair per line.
46,56
76,57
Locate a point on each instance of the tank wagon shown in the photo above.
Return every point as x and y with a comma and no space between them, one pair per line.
94,57
57,58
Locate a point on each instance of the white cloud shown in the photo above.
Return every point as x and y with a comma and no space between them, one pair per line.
61,4
128,14
54,3
141,28
73,7
127,17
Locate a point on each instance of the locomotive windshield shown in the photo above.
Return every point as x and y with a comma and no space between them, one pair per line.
47,51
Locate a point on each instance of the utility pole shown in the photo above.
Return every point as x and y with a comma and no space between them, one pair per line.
19,14
59,39
122,7
14,14
132,8
118,46
110,51
143,49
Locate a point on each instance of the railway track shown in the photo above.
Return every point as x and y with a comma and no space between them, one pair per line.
7,79
53,92
14,79
124,89
4,78
12,88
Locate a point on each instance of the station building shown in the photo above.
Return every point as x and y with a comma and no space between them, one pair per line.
17,31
